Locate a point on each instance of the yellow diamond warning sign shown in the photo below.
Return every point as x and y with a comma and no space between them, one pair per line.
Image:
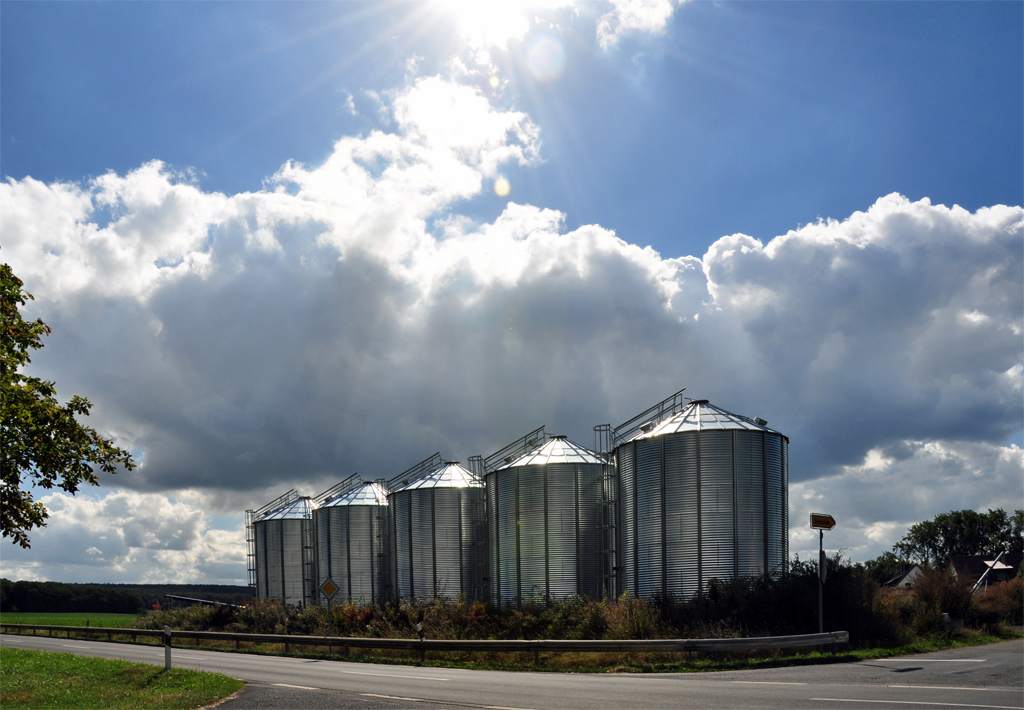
329,588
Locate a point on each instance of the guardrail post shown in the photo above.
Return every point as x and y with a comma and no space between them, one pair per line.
167,648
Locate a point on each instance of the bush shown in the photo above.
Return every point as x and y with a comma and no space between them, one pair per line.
1002,602
754,606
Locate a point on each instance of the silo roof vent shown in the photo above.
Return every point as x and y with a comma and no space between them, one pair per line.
369,493
451,474
701,415
295,510
557,449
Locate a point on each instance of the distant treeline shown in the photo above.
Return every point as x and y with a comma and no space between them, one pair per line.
65,598
151,594
60,597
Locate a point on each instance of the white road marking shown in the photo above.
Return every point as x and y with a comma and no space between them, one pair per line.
425,700
288,685
71,645
955,687
926,660
767,682
13,641
917,702
395,697
191,658
390,675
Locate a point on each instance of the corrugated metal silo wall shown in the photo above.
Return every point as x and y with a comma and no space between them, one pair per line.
353,551
439,543
695,506
283,560
262,588
546,532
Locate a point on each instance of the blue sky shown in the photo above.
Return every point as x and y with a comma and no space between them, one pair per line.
319,265
741,117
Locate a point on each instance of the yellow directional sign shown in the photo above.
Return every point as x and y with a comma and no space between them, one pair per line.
329,588
822,521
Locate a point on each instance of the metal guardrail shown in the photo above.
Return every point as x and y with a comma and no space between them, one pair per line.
760,643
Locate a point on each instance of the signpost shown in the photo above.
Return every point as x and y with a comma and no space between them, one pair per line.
329,589
821,522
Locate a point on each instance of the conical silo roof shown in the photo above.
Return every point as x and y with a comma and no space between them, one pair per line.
368,493
450,474
557,449
701,415
297,509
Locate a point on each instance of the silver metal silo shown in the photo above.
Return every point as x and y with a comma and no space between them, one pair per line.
545,512
438,532
280,543
702,494
352,546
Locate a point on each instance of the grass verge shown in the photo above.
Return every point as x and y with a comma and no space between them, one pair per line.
112,621
44,679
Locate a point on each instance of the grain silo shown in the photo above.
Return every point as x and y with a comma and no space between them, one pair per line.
546,509
280,549
352,546
702,494
438,532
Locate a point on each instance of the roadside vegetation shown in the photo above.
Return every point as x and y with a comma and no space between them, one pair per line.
881,621
43,679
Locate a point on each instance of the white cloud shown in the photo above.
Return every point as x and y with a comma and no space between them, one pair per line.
876,501
488,24
634,16
129,537
348,318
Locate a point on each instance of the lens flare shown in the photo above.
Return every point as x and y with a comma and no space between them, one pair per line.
546,57
501,187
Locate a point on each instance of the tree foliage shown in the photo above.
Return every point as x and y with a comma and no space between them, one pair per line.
57,597
962,532
42,443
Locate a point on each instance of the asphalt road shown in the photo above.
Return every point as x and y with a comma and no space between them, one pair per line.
979,677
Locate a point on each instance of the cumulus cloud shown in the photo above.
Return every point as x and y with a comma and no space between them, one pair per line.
634,16
130,537
349,318
894,487
486,25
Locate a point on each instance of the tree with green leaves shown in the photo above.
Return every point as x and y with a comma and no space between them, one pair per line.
962,532
42,443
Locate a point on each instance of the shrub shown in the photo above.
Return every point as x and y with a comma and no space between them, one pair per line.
1003,602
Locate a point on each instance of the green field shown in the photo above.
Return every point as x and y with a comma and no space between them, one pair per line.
112,621
43,679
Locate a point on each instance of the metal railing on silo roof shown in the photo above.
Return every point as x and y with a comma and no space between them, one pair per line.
520,446
339,489
648,418
416,472
475,464
251,518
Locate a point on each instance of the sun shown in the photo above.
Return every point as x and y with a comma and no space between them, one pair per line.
487,23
